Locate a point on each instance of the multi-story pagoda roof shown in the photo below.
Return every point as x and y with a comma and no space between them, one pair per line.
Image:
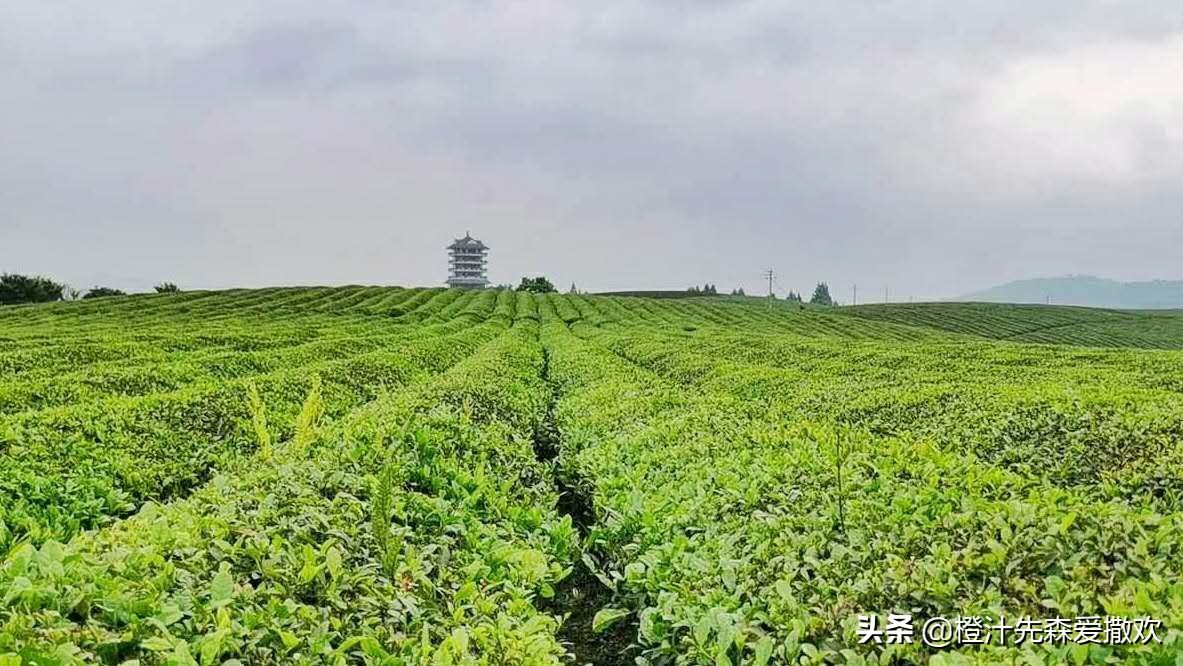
467,243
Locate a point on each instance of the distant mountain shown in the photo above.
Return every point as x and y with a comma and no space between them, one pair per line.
1086,290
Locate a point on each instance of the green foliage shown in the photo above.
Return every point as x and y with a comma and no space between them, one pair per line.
294,476
864,475
155,432
276,562
382,506
259,421
167,288
103,292
16,289
821,295
1036,323
606,617
536,285
308,419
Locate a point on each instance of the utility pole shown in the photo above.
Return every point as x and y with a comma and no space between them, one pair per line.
854,301
885,296
770,275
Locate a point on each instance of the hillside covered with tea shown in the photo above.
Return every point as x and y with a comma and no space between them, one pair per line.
374,475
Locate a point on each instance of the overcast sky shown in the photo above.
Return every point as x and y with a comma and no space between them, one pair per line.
930,147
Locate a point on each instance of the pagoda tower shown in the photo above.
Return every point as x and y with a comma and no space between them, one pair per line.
468,263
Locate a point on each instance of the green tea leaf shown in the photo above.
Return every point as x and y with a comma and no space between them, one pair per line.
606,617
221,587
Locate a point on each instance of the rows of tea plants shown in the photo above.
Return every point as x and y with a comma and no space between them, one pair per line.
44,388
364,475
122,339
74,467
748,315
753,495
1037,323
419,528
83,447
1071,415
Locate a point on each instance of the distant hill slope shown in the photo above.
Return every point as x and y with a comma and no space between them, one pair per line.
1047,324
140,322
1086,290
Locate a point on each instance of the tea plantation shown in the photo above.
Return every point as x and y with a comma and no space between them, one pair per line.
374,475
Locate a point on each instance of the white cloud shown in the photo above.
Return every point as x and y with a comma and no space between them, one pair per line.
1104,114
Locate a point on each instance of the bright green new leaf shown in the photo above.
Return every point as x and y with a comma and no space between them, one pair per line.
606,617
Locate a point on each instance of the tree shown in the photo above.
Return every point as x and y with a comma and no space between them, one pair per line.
27,289
707,289
102,292
793,297
739,292
538,285
821,295
167,288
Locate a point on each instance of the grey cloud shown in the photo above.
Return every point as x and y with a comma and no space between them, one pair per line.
614,144
311,58
274,58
